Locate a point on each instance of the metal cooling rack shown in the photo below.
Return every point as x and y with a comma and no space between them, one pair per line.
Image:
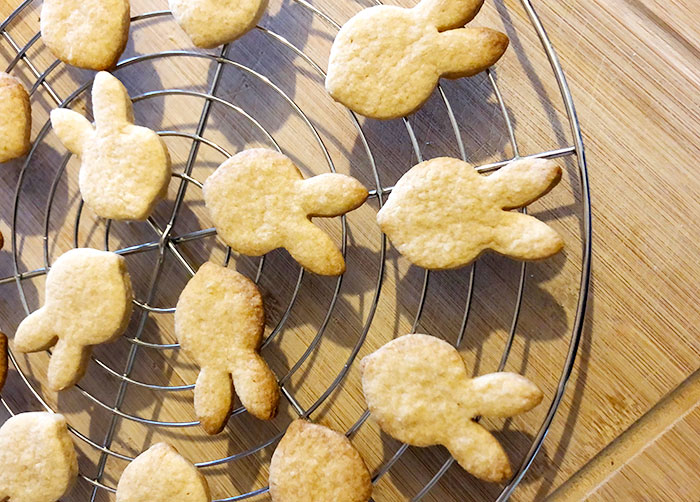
168,243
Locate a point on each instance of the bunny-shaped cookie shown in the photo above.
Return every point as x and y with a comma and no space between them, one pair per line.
210,23
15,118
161,474
259,201
90,34
87,302
443,214
37,458
316,464
386,60
418,390
219,321
125,169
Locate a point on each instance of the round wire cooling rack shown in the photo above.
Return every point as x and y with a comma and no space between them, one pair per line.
168,242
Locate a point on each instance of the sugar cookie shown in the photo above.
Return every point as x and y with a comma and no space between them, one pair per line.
259,201
161,474
90,34
316,464
219,321
386,61
125,169
3,360
443,214
418,390
210,23
87,302
37,458
15,118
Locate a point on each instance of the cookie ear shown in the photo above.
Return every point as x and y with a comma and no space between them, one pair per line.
523,181
111,104
468,51
332,194
525,237
256,387
213,399
71,128
504,394
34,333
449,14
478,452
67,365
315,251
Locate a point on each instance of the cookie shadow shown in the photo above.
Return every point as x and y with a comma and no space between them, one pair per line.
548,471
415,468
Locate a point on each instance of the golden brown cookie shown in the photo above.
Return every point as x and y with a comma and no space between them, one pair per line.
443,214
124,169
90,34
386,61
417,388
3,360
259,201
87,302
15,118
316,464
161,474
37,458
219,321
210,23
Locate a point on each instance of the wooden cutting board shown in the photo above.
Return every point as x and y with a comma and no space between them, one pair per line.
629,424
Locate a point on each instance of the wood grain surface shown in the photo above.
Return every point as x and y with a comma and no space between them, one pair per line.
629,423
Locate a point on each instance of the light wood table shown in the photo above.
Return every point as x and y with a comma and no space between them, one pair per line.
629,425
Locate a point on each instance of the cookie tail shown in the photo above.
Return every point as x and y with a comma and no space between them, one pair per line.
256,387
525,237
67,365
34,333
315,251
213,399
479,453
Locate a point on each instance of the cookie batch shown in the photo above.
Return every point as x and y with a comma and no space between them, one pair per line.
442,214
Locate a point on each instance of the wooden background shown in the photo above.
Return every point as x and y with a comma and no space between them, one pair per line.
629,424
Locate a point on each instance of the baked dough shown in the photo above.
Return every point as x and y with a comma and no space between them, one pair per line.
418,390
259,201
443,214
125,169
37,458
90,34
87,302
386,61
219,321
